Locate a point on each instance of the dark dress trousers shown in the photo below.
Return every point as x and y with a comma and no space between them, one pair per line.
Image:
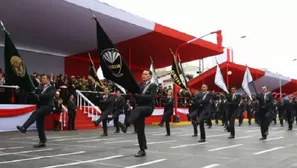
145,105
168,111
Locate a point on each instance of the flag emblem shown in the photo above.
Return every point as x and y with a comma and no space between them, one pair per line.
113,60
17,66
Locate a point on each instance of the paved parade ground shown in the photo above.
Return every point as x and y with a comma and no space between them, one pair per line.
77,149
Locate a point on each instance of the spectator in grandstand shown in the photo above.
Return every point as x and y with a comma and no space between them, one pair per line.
52,79
57,111
2,80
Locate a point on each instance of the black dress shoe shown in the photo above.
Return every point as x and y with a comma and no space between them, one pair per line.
103,135
231,137
195,135
167,135
263,138
116,132
22,129
140,154
124,129
145,147
96,123
202,140
289,129
109,119
40,145
161,125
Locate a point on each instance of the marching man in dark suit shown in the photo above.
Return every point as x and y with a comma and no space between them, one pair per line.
204,102
106,106
45,104
168,103
266,104
194,111
290,111
145,105
118,110
234,101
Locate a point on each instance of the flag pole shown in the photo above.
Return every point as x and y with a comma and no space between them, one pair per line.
190,41
175,116
3,27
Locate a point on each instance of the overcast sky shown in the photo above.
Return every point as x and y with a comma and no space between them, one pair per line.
269,26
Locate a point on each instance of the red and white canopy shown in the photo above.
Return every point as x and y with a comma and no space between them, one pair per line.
275,82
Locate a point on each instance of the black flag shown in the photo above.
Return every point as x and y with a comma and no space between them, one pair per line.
113,66
175,74
15,69
182,73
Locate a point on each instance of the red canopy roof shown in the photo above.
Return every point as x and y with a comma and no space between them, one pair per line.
137,51
289,87
234,80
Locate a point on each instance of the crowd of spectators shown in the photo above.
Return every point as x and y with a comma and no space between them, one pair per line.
67,85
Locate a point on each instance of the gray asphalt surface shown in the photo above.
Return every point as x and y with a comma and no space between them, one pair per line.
77,149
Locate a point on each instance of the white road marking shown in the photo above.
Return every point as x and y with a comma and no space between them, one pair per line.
257,130
147,163
276,138
186,145
276,132
159,142
225,147
23,137
165,133
67,139
17,147
42,157
23,152
275,128
58,137
185,135
211,166
244,137
212,136
82,162
269,150
112,142
97,140
152,132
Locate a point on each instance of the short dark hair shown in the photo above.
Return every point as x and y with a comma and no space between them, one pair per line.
265,86
205,85
150,72
47,76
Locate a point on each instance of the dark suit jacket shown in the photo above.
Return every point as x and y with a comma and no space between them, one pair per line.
107,104
46,97
148,98
204,100
168,105
265,105
119,104
290,106
71,108
234,102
